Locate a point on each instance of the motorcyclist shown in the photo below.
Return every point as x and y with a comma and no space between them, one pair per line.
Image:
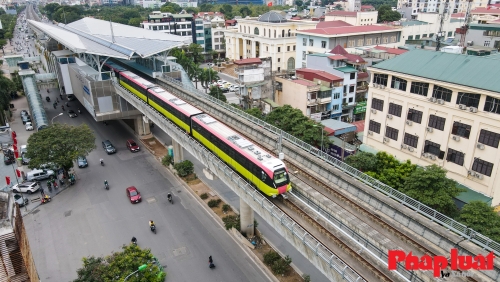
134,240
79,111
169,196
105,183
151,223
101,160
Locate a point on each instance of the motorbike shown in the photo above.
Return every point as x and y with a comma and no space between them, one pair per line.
106,185
170,199
72,181
134,241
153,229
102,162
47,99
45,199
79,112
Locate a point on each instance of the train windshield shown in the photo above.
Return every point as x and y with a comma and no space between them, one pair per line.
281,177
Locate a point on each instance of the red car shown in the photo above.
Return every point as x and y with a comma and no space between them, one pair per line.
132,146
133,194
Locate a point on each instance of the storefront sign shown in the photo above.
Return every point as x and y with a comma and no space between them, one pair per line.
360,108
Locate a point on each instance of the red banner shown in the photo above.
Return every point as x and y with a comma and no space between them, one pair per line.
18,172
7,179
15,140
16,154
14,134
270,4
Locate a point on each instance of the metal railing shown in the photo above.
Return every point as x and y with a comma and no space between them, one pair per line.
394,194
241,187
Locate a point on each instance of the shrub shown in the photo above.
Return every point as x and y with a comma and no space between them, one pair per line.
270,257
281,266
184,168
167,160
225,208
306,277
214,203
204,196
231,221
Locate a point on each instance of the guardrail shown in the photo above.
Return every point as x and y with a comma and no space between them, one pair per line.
392,193
242,188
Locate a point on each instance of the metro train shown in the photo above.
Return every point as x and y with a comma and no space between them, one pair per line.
264,171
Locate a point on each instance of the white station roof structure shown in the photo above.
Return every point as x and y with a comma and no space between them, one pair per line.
93,36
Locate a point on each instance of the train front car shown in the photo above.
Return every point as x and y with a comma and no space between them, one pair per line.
282,180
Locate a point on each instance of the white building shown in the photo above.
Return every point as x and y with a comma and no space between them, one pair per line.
432,6
185,3
353,18
427,26
439,108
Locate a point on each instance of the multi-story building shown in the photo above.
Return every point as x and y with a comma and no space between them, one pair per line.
439,108
483,35
432,6
271,35
178,24
321,40
250,80
185,3
353,18
427,25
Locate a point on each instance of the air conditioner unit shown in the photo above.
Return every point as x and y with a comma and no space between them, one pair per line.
480,146
470,172
479,176
404,146
375,85
425,155
462,107
411,149
432,100
389,116
429,129
386,139
409,122
473,110
382,86
370,132
373,111
432,157
456,138
440,101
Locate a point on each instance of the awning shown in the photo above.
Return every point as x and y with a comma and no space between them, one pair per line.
324,88
470,195
271,102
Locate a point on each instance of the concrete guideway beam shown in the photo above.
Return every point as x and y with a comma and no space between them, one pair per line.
327,262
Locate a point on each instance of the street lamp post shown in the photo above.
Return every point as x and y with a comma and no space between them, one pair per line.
141,268
52,120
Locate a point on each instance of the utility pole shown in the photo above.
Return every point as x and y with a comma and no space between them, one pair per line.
465,28
440,35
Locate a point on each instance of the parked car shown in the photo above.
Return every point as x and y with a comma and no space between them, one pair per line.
24,113
26,187
133,195
25,119
108,147
24,159
227,85
72,114
132,146
8,159
29,126
39,174
82,161
19,200
224,89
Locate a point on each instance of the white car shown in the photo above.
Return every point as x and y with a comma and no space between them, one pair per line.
29,126
26,187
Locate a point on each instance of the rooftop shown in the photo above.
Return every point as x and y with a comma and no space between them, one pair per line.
344,30
467,70
352,58
303,82
488,11
394,51
337,57
248,61
495,27
94,36
272,17
346,69
332,24
458,15
323,74
342,14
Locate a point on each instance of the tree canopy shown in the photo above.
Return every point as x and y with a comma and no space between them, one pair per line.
119,265
7,86
60,144
386,14
216,92
482,218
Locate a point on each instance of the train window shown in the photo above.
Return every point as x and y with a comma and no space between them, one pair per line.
263,176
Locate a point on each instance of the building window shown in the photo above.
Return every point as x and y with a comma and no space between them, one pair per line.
385,40
293,47
323,44
374,126
414,115
393,39
441,93
351,88
411,140
492,105
369,41
436,122
461,129
489,138
256,31
303,55
377,104
267,48
419,88
336,95
279,60
279,49
360,42
311,42
351,100
398,83
351,43
335,107
264,32
468,99
482,167
395,109
391,133
431,147
379,78
304,41
455,156
352,75
287,48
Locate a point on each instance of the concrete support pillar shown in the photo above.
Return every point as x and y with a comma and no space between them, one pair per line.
246,219
178,152
253,49
236,52
141,126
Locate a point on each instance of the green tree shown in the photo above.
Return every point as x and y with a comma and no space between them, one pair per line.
216,92
363,161
50,9
3,42
390,171
195,52
208,75
118,265
482,218
7,86
339,7
191,10
175,8
184,168
256,112
60,144
386,14
206,7
245,11
135,22
167,9
430,186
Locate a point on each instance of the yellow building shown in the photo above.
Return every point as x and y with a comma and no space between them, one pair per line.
439,108
271,35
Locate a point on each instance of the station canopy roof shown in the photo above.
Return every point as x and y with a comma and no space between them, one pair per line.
93,36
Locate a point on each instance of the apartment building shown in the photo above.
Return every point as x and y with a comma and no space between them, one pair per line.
353,18
270,35
179,24
432,6
484,35
439,108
